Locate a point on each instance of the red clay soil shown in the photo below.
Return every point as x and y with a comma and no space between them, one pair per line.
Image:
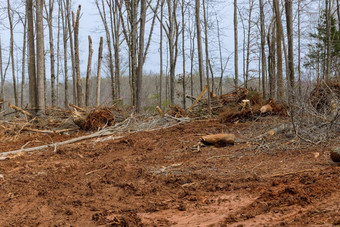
159,179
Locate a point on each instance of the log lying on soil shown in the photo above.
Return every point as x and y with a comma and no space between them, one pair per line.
219,140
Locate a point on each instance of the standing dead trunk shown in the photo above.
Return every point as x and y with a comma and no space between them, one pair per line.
88,73
100,57
77,60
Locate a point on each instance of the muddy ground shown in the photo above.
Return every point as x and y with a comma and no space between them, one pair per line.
158,178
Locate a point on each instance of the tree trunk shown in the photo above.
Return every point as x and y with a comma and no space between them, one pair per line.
40,59
49,18
207,54
88,73
161,54
183,55
263,53
235,45
289,16
280,84
12,52
77,60
248,43
328,41
100,57
199,43
74,79
140,56
31,56
23,63
65,37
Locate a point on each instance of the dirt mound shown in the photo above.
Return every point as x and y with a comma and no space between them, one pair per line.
324,95
96,119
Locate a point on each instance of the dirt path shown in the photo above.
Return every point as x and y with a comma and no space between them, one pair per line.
157,179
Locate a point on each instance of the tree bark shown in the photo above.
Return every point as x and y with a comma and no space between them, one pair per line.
280,84
235,45
31,56
88,73
40,59
199,42
207,55
12,51
100,57
140,56
76,58
291,77
263,53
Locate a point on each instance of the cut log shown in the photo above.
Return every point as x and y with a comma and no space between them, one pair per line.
77,107
20,110
335,154
266,108
219,140
160,111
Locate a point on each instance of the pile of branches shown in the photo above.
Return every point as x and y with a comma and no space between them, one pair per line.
317,118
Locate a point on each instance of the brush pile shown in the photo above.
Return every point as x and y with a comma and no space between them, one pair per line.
325,96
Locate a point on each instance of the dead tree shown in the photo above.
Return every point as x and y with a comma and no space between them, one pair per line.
100,57
88,73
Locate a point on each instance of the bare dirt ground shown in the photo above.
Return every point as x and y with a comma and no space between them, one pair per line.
157,179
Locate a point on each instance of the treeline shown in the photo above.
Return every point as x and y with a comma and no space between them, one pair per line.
269,38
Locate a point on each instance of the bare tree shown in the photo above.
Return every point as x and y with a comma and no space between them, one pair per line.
183,53
100,57
206,54
65,40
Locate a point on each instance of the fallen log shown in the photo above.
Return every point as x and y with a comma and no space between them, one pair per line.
219,140
77,107
14,107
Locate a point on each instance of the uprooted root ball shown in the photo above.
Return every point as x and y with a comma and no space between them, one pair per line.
96,119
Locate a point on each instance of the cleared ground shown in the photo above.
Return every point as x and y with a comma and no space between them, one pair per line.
158,178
